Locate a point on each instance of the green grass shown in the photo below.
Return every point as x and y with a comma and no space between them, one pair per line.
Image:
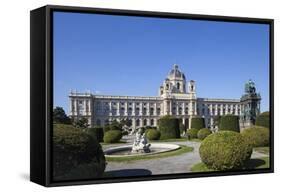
266,165
119,142
182,150
200,167
195,140
259,163
264,150
170,140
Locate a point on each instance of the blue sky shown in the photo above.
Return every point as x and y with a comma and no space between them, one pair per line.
120,55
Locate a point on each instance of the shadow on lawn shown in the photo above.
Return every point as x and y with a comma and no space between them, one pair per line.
128,173
254,163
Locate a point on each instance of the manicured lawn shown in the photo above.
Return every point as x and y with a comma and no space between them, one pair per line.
119,142
200,167
177,140
264,150
182,150
259,163
196,140
170,140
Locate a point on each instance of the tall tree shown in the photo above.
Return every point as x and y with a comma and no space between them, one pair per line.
81,123
59,116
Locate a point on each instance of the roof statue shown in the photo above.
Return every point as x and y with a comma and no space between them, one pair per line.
250,87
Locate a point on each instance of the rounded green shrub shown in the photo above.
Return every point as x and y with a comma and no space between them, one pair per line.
169,127
96,132
112,136
229,123
203,133
257,136
150,127
192,133
197,122
263,119
73,150
153,134
225,150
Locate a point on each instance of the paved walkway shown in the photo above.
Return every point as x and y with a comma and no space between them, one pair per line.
174,164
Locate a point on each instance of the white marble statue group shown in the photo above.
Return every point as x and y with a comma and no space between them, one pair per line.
140,144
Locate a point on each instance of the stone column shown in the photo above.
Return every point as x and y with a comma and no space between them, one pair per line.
141,122
76,107
85,107
195,108
165,107
133,108
118,109
216,109
141,106
189,122
134,123
183,108
110,108
126,109
171,108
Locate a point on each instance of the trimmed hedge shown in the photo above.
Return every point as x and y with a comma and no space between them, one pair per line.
197,122
76,155
263,119
150,127
112,136
257,136
114,125
192,133
169,127
153,134
203,133
225,150
96,132
229,123
182,128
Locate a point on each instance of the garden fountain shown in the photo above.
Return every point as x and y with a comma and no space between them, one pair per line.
140,147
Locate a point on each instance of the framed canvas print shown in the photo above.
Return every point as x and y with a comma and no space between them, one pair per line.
119,95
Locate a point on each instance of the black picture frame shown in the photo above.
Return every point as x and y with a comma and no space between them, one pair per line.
41,99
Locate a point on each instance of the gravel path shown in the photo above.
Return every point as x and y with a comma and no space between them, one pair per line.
174,164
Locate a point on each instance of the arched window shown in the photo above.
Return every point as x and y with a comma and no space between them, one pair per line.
167,86
178,85
137,122
130,122
152,122
144,111
180,110
144,122
151,111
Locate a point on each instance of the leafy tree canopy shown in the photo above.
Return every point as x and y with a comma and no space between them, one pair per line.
59,116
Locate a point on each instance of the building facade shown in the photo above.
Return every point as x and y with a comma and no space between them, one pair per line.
177,97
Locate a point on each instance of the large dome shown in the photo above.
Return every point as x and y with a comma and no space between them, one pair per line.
175,73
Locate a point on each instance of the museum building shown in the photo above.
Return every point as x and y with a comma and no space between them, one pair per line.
177,97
